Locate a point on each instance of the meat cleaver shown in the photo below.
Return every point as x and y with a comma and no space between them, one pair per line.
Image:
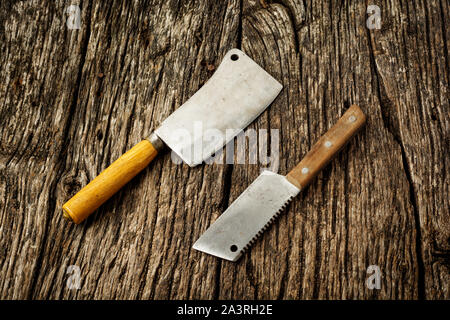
236,94
264,200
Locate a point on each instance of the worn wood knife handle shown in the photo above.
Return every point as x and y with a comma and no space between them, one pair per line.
327,147
109,181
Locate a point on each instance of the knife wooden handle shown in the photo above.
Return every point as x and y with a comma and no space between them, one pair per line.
109,181
327,147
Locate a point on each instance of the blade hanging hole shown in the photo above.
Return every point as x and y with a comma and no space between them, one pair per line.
233,248
234,57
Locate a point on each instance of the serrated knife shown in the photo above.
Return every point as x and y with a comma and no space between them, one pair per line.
236,94
261,203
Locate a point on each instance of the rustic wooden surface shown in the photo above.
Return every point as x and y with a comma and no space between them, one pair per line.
72,101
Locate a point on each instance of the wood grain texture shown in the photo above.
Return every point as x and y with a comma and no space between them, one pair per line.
72,101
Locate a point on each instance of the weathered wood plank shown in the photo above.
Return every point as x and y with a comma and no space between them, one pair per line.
411,57
341,224
72,101
39,78
159,62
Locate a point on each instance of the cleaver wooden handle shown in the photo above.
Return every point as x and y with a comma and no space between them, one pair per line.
109,181
327,147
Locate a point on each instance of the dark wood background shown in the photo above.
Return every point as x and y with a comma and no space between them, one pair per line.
72,101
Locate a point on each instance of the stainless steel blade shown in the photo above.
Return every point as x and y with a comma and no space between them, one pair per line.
247,217
237,93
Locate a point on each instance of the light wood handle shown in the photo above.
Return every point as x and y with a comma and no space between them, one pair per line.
109,181
327,147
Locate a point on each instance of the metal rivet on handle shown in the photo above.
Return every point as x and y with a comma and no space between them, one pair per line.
328,144
305,170
352,119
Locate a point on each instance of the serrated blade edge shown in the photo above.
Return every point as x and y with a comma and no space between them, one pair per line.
247,217
267,225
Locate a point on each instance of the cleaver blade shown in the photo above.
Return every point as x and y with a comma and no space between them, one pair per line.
236,94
